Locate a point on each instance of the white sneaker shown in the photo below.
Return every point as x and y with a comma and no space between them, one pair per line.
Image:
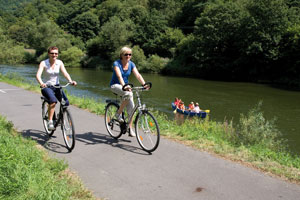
132,133
50,126
119,117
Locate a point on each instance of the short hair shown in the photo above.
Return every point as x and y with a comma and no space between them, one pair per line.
123,50
52,48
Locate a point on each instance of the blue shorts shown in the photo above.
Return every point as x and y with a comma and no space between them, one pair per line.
53,95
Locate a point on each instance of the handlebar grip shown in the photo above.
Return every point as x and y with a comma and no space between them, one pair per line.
127,84
148,83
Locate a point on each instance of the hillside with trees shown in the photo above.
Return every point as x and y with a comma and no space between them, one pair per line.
11,5
234,40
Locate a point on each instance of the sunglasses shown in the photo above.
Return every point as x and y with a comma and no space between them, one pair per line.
127,54
53,53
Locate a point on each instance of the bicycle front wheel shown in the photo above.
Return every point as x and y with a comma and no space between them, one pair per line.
113,127
68,130
147,131
45,118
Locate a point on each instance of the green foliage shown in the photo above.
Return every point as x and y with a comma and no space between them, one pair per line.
11,4
186,17
113,35
218,35
28,173
289,51
72,57
71,9
155,64
212,39
254,129
108,9
30,56
12,54
138,57
169,42
148,31
46,34
85,25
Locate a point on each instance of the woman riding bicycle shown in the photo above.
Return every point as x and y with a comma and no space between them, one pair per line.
122,69
52,68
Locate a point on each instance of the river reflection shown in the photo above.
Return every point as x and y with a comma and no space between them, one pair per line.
226,100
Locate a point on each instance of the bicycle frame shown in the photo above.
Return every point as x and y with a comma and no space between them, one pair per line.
62,118
61,106
138,106
145,124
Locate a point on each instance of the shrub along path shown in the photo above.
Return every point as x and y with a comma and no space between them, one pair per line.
121,170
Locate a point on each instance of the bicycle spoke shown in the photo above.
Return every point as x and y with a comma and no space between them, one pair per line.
68,130
112,125
45,118
147,131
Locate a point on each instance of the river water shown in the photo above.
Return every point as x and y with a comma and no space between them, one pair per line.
225,100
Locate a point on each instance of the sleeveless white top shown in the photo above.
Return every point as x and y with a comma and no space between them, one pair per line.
52,75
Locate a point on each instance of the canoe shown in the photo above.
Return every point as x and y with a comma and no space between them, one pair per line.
201,114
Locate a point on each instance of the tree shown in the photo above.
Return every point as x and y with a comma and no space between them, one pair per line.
85,26
267,22
185,18
218,37
20,31
114,34
168,42
46,34
73,8
148,30
108,9
71,57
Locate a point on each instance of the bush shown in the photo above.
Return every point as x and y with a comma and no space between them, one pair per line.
254,129
30,56
11,54
155,64
72,57
138,57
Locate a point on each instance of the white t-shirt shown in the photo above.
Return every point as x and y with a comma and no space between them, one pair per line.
196,109
52,75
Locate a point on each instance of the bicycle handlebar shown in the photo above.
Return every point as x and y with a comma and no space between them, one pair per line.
58,86
62,86
138,87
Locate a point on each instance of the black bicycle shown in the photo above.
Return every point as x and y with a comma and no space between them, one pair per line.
146,126
63,118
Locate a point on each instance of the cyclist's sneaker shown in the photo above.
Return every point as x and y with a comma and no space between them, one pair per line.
50,126
131,133
119,118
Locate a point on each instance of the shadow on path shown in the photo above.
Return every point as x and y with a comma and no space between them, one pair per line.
43,139
92,138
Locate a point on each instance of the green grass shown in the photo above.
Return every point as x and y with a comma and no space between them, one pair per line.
253,141
27,172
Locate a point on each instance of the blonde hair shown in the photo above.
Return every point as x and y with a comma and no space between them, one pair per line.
124,50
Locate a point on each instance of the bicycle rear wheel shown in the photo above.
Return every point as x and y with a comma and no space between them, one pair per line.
147,131
45,118
113,127
68,130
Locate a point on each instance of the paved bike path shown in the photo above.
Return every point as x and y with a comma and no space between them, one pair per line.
118,170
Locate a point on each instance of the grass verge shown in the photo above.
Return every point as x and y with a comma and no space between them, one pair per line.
254,141
27,172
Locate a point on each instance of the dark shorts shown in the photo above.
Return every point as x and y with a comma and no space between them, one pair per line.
53,95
